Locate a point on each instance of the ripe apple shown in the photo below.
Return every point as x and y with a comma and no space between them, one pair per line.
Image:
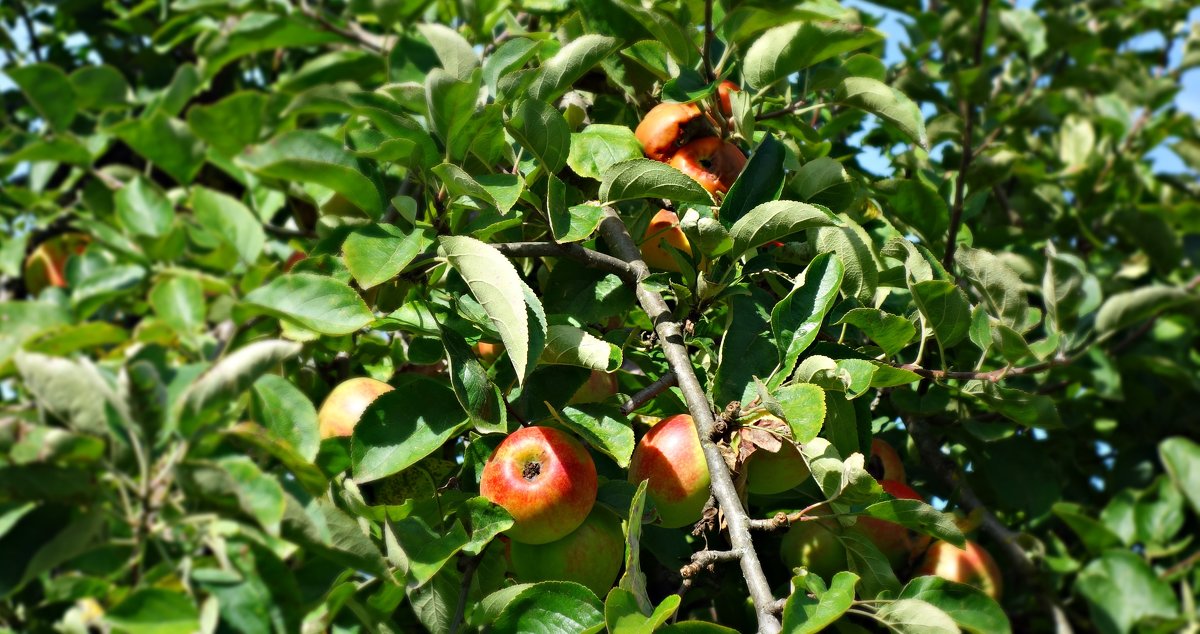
294,258
591,555
885,463
670,457
892,539
667,127
545,479
814,544
345,405
769,472
46,265
599,386
713,163
488,352
664,227
723,91
972,566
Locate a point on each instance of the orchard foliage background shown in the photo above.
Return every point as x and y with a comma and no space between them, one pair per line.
1012,305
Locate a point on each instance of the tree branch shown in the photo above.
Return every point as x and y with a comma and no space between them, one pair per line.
353,31
670,337
464,590
708,38
660,385
34,45
968,114
575,252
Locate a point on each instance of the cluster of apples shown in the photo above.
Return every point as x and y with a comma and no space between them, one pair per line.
684,137
816,546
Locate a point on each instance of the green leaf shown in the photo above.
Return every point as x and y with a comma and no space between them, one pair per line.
403,426
600,146
256,32
227,217
427,551
509,56
541,129
623,616
568,345
487,521
1121,589
915,616
796,319
604,428
73,391
165,141
803,407
496,285
793,47
918,203
315,302
49,91
155,611
179,301
231,124
853,246
284,450
807,615
143,209
824,181
1026,26
451,104
311,157
62,341
222,383
890,332
776,220
1094,535
887,103
480,398
633,579
551,606
104,286
970,608
747,349
1181,458
918,516
378,252
1125,309
578,223
560,72
644,178
287,412
946,310
845,481
759,183
999,285
869,564
21,320
453,50
100,87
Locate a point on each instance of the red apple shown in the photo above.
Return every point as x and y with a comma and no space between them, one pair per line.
667,127
345,405
46,265
892,539
814,544
488,352
591,555
972,566
664,227
723,91
713,163
293,259
545,479
670,457
599,386
885,463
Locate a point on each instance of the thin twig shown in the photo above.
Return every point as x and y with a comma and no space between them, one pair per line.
1182,566
968,114
708,38
670,338
584,255
34,45
354,31
643,396
784,520
464,590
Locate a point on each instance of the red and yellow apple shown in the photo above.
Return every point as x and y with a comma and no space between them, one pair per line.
591,555
972,566
488,352
713,163
47,264
667,127
723,91
598,387
885,463
892,539
345,405
814,544
670,457
664,227
545,479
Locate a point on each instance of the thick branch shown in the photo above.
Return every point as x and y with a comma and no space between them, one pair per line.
670,337
968,114
586,256
660,385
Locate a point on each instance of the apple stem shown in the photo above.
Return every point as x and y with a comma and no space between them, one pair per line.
670,339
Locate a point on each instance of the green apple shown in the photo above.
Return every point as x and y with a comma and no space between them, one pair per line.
591,555
814,544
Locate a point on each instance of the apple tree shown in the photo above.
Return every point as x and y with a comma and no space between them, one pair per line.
599,315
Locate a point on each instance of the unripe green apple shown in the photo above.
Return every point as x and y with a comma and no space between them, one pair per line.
545,479
670,457
345,405
893,540
972,566
591,555
814,544
885,463
599,386
769,472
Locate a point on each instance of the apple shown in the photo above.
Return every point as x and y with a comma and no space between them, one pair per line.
769,472
670,457
591,555
814,544
723,91
599,386
293,259
46,265
667,127
545,479
972,566
885,463
713,163
892,539
664,227
345,405
488,352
